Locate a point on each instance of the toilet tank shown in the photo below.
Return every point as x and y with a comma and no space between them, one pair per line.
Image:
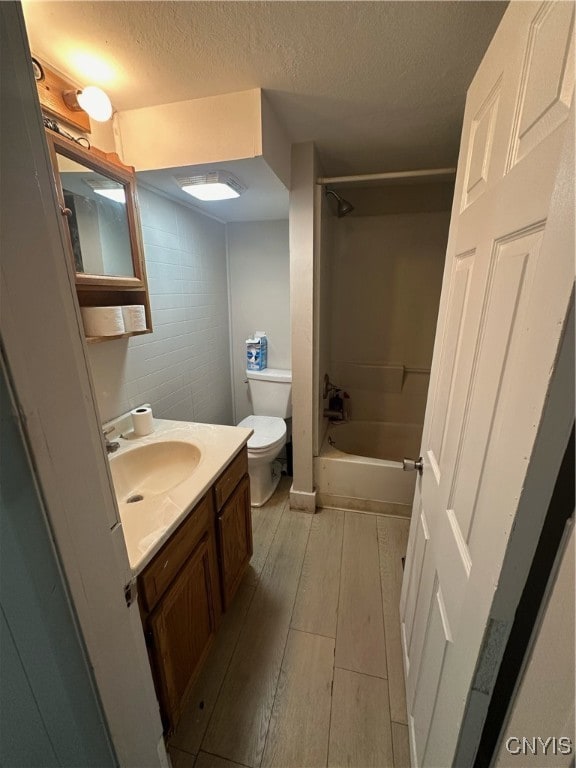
271,392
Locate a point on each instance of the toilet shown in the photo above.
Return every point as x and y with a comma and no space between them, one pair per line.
271,393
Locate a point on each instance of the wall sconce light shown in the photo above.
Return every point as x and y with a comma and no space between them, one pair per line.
60,99
92,100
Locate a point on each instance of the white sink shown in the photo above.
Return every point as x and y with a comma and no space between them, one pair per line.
152,469
159,478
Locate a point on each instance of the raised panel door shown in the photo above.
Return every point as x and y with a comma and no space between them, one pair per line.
182,628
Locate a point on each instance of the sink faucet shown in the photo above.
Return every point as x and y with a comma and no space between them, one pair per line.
110,447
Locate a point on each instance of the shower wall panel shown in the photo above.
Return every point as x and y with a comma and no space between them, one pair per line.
386,281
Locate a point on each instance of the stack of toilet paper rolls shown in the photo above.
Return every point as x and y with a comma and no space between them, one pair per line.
134,317
113,321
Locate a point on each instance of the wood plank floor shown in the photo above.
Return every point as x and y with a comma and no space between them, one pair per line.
307,670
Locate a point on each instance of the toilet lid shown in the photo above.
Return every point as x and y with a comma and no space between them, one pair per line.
267,430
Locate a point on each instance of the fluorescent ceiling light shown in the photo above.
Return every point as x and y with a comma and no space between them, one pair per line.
216,185
112,194
107,188
214,191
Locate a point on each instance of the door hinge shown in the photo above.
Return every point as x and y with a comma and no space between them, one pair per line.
130,592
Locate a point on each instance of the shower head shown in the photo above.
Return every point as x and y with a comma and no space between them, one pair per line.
344,206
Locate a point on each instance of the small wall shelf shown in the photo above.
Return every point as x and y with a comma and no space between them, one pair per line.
78,172
99,339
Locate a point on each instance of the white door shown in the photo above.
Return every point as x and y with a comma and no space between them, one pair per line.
503,307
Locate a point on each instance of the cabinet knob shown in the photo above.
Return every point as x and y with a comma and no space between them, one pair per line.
65,211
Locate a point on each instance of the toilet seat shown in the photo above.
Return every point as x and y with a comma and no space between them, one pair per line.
269,432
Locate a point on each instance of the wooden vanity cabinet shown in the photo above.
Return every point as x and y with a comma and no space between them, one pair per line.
233,525
180,605
181,592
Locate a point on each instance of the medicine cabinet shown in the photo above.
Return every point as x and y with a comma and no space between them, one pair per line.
99,204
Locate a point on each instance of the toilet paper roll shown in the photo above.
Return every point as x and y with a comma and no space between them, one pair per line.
142,421
134,317
102,321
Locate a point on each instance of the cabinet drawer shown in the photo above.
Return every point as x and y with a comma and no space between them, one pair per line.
158,575
230,478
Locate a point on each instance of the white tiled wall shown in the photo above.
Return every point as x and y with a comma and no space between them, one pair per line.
183,368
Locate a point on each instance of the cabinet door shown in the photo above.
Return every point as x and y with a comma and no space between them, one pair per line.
235,539
182,628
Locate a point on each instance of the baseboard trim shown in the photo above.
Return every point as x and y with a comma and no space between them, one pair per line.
389,508
304,501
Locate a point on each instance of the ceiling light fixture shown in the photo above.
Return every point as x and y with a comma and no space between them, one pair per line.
107,188
92,100
215,185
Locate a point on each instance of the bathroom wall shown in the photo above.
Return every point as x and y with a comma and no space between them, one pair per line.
259,269
303,223
183,367
387,265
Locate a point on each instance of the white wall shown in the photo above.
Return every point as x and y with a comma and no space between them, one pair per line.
183,368
259,279
207,130
544,702
229,126
386,280
304,171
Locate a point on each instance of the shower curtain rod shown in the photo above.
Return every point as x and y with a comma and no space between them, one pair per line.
383,176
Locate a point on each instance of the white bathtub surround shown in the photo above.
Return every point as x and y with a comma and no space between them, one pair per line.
183,367
374,337
354,473
377,439
389,321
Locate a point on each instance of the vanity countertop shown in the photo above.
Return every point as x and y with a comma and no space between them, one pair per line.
149,523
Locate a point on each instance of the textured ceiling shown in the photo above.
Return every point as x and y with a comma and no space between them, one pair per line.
377,85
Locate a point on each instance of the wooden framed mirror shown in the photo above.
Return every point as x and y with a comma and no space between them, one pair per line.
97,195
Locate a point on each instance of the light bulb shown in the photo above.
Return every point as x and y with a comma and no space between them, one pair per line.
95,102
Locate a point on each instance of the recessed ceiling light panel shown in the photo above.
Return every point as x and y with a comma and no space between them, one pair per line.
107,188
215,185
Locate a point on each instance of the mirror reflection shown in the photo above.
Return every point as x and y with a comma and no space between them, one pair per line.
98,220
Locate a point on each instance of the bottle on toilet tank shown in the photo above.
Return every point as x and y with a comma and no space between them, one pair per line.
257,352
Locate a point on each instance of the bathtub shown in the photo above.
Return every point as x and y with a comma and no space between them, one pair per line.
360,467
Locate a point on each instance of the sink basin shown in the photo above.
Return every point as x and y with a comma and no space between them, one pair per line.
152,469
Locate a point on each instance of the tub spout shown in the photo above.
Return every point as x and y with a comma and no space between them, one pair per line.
333,415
